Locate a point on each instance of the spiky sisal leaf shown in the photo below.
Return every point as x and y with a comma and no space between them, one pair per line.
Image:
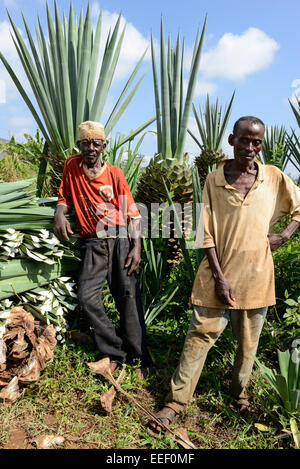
212,124
172,112
172,115
62,73
275,148
293,144
296,109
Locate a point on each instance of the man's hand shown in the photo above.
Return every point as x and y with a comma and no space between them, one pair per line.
62,227
222,286
133,260
224,291
275,240
134,257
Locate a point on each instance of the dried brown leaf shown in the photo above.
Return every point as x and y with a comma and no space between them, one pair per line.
30,372
10,393
184,440
107,398
101,367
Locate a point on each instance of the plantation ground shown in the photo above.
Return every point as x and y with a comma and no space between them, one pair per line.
66,401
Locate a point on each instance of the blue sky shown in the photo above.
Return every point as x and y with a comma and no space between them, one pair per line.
250,46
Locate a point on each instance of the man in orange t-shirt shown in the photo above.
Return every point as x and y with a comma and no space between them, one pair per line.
100,196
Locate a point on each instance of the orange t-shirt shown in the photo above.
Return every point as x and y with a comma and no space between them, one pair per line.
101,202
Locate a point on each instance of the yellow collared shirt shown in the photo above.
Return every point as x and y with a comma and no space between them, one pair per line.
238,228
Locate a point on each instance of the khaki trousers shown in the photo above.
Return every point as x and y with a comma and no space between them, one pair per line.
207,324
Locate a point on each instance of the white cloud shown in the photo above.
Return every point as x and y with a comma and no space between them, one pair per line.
7,45
10,53
21,121
237,56
2,92
14,4
10,3
204,87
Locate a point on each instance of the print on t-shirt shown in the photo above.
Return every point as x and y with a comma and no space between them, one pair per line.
106,192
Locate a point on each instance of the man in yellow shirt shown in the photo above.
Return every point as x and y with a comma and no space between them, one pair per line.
243,199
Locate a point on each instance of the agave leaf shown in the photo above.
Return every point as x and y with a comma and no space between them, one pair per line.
157,306
25,96
94,61
12,196
190,95
165,99
34,52
62,75
295,432
296,110
284,361
269,374
175,98
79,39
17,203
275,149
295,399
117,116
8,287
211,125
294,370
84,68
106,72
156,95
54,64
49,73
41,212
33,225
225,121
293,143
37,85
8,187
112,118
64,82
283,391
72,58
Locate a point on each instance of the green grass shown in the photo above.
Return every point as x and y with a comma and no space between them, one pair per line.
66,401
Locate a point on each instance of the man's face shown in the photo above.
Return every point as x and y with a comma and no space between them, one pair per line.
91,150
246,142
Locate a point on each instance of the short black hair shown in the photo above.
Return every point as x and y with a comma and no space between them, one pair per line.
250,119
